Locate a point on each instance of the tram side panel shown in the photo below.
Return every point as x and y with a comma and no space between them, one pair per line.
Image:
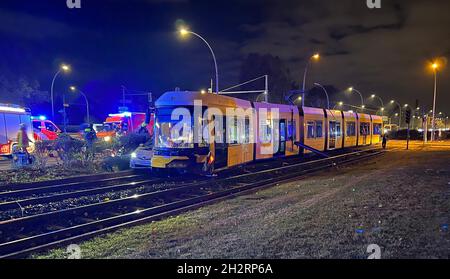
377,128
313,128
350,130
240,135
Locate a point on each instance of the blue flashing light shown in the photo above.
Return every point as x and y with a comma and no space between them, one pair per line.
40,117
123,114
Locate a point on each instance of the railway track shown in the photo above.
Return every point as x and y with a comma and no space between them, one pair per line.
19,237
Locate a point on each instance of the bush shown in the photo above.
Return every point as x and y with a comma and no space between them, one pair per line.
41,153
69,150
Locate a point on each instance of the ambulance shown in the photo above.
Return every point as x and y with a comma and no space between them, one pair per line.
11,116
44,129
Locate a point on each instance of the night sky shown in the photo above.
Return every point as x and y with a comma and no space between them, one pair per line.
134,43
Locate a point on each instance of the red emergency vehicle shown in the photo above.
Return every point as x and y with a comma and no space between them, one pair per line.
11,116
123,123
44,129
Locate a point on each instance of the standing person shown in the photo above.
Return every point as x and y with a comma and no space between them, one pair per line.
384,141
23,141
143,128
90,137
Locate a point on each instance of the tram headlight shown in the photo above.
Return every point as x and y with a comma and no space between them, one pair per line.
107,138
133,155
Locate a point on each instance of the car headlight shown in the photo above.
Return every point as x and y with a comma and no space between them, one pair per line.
107,138
133,155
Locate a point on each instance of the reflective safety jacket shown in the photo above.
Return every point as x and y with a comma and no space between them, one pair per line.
22,139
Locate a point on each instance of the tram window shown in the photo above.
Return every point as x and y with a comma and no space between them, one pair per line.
377,129
206,134
289,130
282,131
338,129
310,129
294,131
172,133
364,129
318,129
351,129
247,130
233,130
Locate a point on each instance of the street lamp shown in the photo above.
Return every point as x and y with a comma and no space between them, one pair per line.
400,112
339,104
62,68
434,67
326,93
373,96
74,89
314,57
351,89
183,32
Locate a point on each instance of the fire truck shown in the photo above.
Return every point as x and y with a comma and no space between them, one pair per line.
11,116
124,123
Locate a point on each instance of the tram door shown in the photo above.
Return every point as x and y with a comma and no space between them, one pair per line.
364,127
220,145
332,135
282,137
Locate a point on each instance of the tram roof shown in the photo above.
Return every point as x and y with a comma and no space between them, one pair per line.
187,98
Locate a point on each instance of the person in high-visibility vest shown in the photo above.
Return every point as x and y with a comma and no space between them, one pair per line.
143,128
23,141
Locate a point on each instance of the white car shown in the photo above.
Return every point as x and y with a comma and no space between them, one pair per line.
141,158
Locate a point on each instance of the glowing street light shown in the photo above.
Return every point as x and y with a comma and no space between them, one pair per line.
399,110
62,68
338,104
435,67
314,57
351,89
74,89
373,96
184,32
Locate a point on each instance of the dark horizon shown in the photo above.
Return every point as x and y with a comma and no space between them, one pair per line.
134,43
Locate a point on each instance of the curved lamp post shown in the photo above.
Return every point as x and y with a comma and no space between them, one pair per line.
399,111
62,68
373,96
326,93
313,57
351,89
74,89
184,32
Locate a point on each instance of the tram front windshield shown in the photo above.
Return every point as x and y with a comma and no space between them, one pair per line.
173,131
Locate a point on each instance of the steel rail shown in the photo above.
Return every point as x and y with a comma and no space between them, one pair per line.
159,211
68,180
74,194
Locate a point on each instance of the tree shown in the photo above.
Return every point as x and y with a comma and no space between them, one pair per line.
21,90
280,80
